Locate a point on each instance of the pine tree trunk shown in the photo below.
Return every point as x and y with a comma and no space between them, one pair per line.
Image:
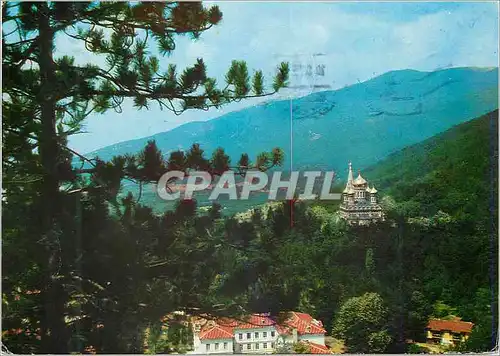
54,339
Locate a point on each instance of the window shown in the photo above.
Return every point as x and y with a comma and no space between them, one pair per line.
249,336
264,345
249,346
436,335
272,345
256,346
240,336
225,345
216,345
273,333
208,347
264,334
256,334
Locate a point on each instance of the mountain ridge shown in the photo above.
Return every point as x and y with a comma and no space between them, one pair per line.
380,116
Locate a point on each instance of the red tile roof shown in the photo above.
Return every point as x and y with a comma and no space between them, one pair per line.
304,323
216,332
317,348
256,321
456,326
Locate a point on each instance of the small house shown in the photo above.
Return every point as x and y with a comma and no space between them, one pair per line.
448,332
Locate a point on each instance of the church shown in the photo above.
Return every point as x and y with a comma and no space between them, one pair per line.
359,204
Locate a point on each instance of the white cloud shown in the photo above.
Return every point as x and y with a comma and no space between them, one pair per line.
359,42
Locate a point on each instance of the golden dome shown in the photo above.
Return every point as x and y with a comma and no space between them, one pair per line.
360,180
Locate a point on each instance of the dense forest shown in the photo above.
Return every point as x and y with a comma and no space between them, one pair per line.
432,260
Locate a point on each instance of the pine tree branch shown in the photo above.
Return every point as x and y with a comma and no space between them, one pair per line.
166,30
18,43
80,156
27,55
159,97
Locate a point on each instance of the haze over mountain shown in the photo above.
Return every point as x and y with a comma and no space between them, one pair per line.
363,122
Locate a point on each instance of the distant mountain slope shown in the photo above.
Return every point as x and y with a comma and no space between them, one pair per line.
455,171
363,123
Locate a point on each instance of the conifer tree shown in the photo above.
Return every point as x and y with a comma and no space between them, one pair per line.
47,98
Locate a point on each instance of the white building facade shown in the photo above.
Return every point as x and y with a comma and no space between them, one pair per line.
260,339
260,334
216,340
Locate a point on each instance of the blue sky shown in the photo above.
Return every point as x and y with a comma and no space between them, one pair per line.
359,40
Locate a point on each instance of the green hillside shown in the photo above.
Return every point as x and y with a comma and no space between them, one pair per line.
438,250
455,172
363,123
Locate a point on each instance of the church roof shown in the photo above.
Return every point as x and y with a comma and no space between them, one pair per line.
348,190
359,180
348,186
349,176
371,190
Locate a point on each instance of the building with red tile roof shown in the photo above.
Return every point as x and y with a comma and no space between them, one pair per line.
305,324
316,348
448,331
216,332
258,333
